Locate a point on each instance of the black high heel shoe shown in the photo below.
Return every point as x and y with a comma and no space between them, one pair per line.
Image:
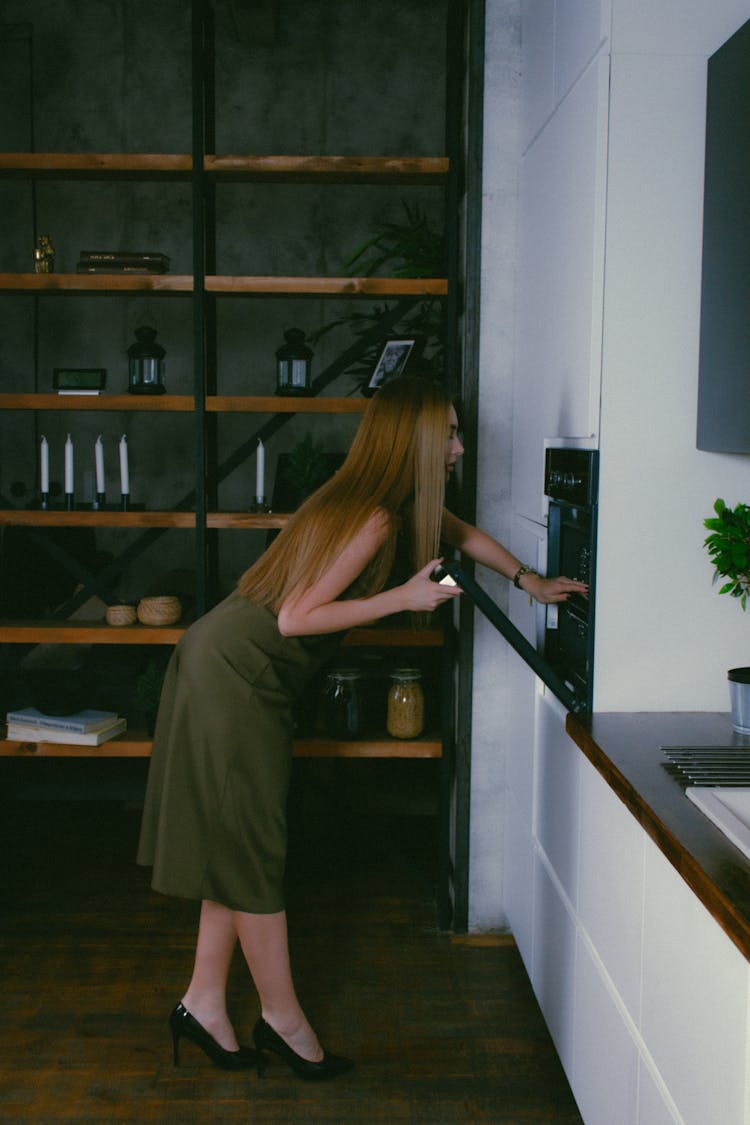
183,1024
266,1039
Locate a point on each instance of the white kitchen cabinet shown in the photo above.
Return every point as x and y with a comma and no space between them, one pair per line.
557,814
518,880
560,283
605,1057
553,968
655,1106
696,997
610,904
646,998
538,75
581,29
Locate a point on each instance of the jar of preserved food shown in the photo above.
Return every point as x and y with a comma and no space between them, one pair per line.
405,703
344,710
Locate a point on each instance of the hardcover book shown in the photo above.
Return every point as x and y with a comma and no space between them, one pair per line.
81,721
25,732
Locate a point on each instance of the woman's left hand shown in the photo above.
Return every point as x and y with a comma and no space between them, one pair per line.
546,590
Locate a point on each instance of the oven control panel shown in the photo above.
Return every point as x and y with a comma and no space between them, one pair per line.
571,483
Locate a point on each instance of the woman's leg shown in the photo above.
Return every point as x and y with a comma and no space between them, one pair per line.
205,998
265,945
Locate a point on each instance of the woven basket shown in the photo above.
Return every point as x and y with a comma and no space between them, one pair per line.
120,614
159,611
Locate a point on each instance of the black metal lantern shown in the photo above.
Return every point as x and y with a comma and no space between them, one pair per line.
293,364
146,364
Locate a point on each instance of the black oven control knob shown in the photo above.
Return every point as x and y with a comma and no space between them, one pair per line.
570,480
584,564
554,477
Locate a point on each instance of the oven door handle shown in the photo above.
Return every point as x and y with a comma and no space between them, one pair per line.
514,637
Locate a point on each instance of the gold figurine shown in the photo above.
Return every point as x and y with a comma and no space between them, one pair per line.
44,255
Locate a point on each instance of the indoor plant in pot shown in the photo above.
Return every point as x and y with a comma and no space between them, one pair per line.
728,544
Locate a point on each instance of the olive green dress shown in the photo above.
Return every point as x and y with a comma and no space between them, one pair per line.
214,819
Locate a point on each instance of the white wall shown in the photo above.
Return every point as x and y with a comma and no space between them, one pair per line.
664,637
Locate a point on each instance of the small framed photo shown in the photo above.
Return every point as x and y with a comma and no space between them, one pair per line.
79,380
394,356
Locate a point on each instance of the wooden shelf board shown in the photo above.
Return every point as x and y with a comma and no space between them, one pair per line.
30,517
329,286
99,632
368,748
337,169
96,282
87,632
235,404
138,745
279,404
86,165
35,517
124,746
394,638
53,401
246,520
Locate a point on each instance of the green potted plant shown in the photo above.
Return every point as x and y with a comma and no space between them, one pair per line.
728,544
300,471
413,247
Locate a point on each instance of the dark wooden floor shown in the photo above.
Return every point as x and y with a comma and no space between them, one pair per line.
442,1031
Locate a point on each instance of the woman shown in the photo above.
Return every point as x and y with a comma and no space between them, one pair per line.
214,824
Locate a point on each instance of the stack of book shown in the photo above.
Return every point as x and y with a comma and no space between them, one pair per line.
122,261
83,728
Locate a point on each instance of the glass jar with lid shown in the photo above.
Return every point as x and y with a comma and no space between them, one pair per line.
405,703
343,703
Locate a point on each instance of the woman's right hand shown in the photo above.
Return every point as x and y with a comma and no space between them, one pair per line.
422,595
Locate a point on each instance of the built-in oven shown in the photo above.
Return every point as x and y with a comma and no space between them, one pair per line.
571,479
566,664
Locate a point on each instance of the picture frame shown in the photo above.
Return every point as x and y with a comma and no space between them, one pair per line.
78,379
392,361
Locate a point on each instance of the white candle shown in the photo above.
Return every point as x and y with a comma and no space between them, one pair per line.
45,465
260,471
99,459
124,472
68,466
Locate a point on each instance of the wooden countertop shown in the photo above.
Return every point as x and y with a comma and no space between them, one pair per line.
625,748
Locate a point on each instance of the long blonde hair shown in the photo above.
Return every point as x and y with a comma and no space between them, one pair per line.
396,464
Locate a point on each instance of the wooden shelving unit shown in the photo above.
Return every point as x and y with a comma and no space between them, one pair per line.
195,513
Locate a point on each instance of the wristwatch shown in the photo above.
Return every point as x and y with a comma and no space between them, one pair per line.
520,573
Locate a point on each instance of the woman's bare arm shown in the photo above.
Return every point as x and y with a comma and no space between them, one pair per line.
318,609
487,551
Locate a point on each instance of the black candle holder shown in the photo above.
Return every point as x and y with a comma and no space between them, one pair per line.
44,503
260,506
101,500
125,502
70,502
